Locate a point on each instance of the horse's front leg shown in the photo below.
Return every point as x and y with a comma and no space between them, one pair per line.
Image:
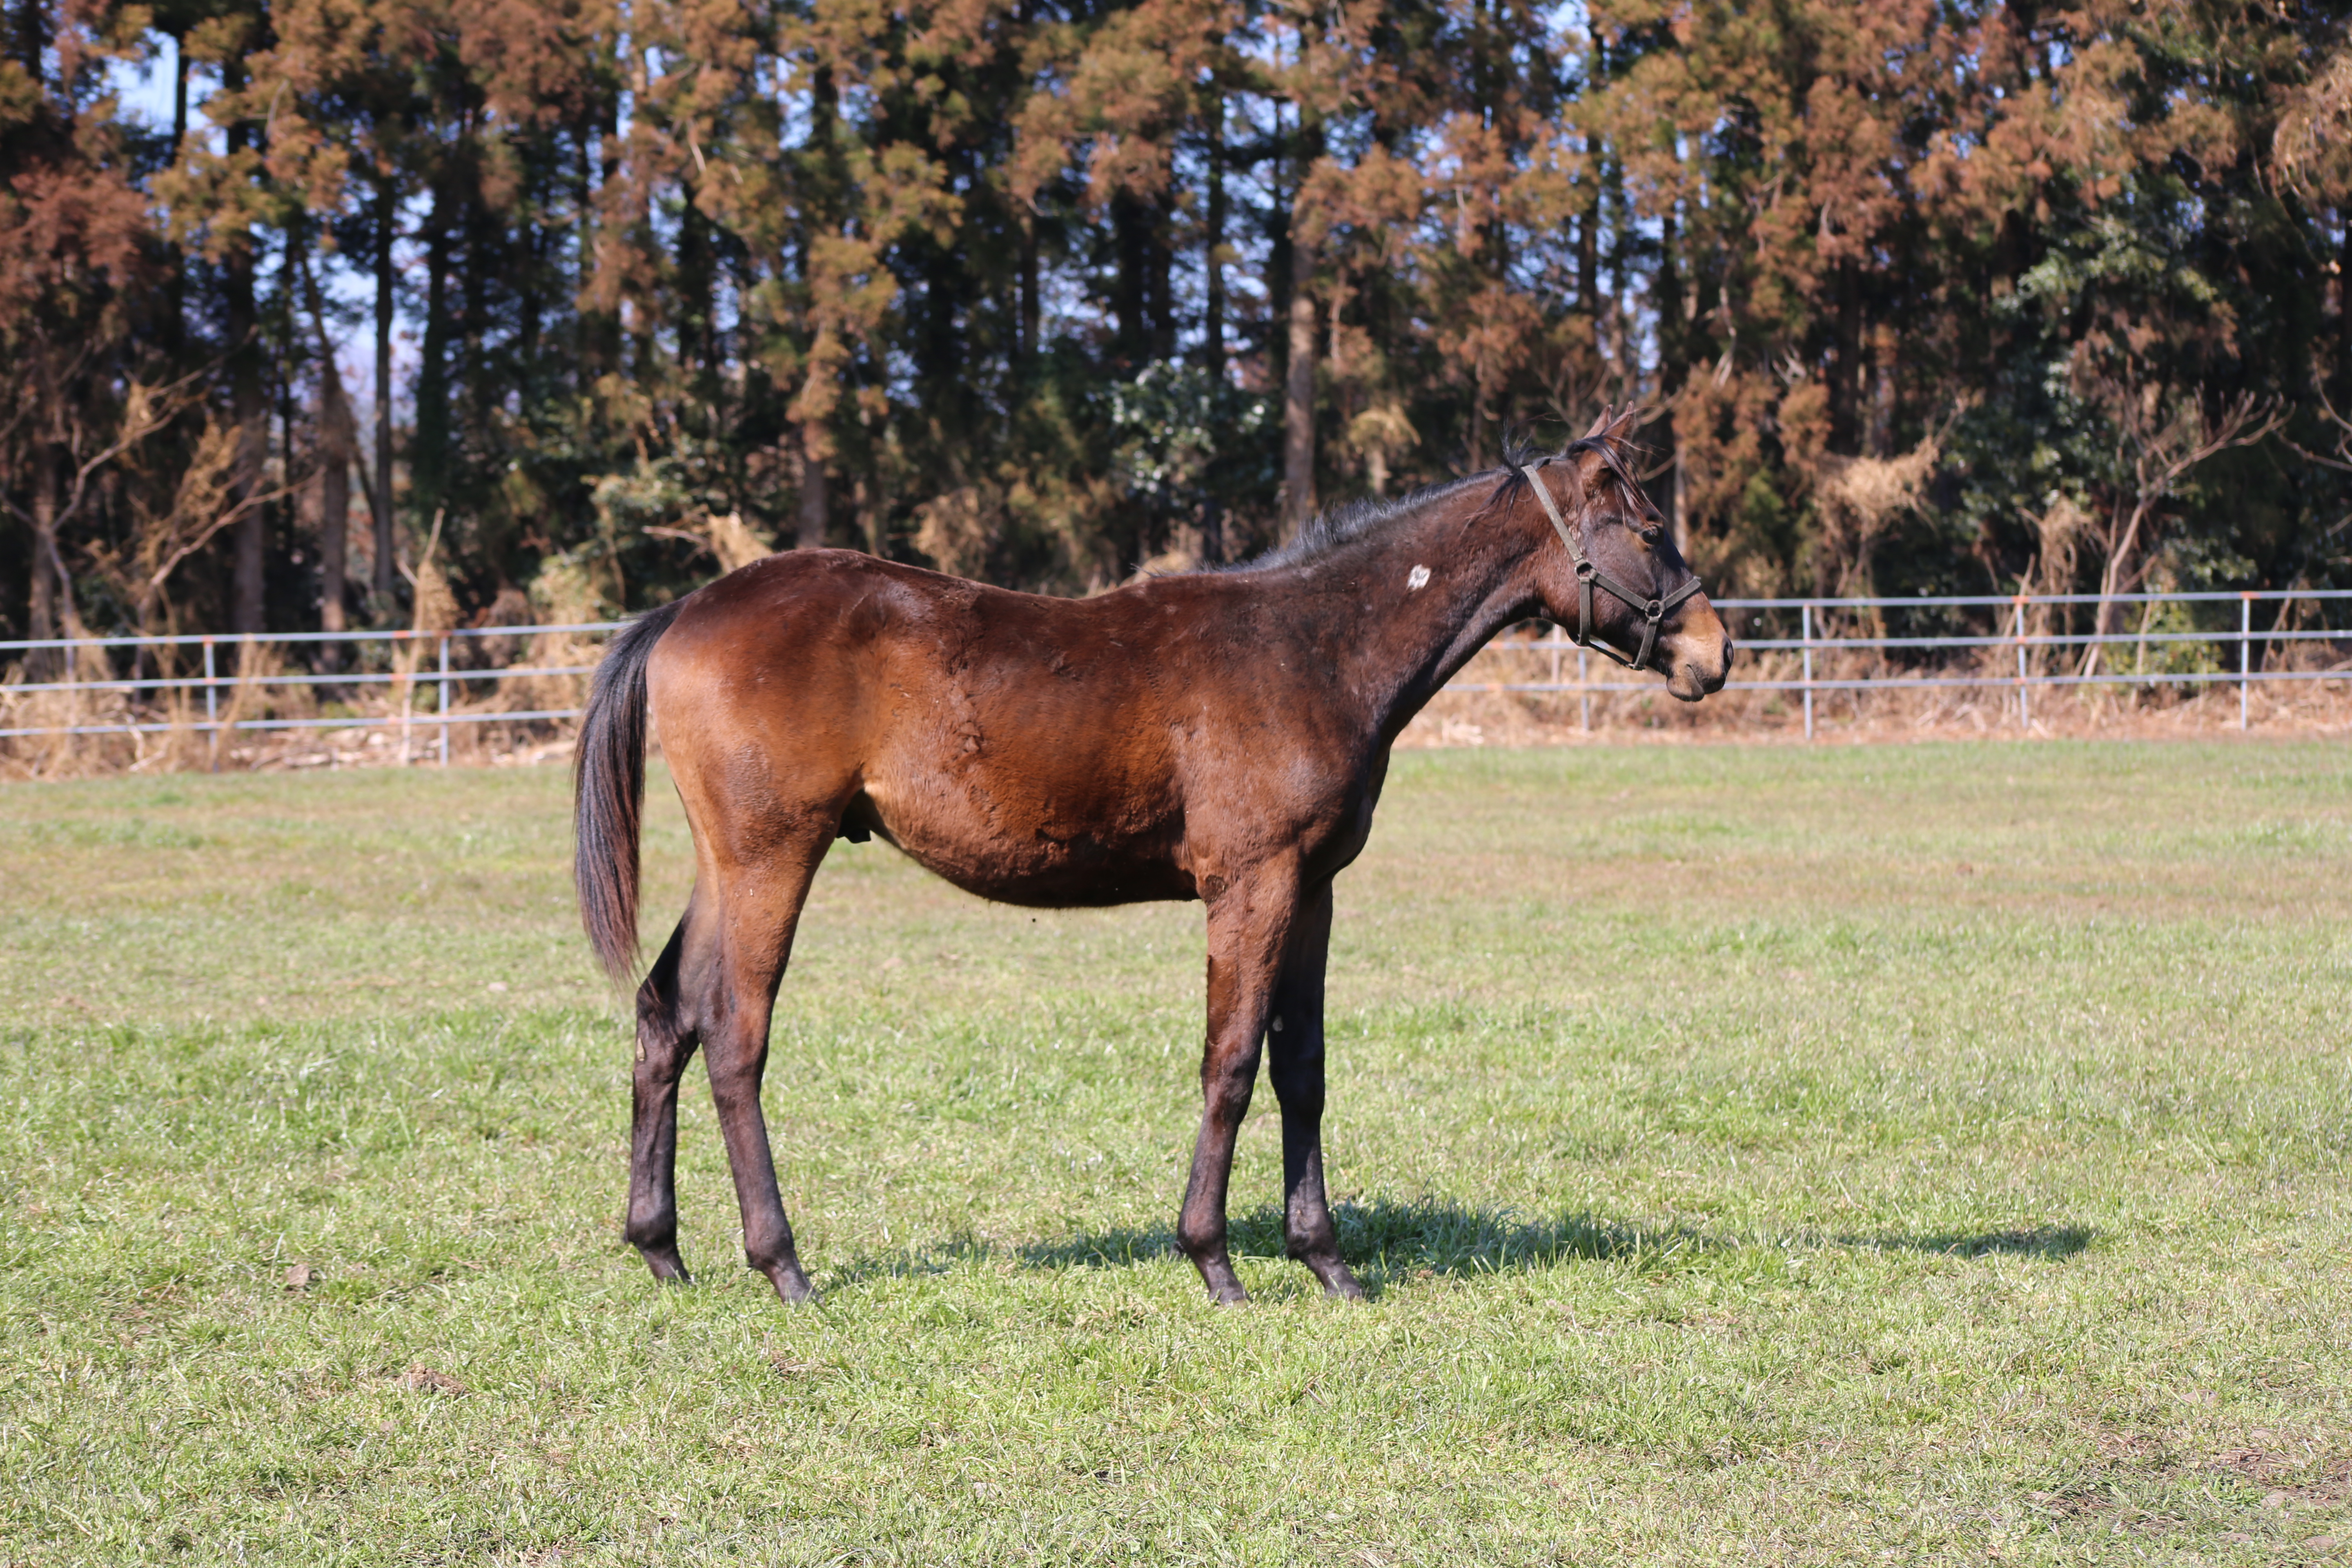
1249,930
1295,1040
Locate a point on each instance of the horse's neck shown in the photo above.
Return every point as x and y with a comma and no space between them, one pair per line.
1402,634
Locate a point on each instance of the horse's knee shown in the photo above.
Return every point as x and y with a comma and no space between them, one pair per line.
1299,1090
1228,1078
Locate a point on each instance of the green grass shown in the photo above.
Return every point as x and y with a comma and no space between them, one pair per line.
1756,1153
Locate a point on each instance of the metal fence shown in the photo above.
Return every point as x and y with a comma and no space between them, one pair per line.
1840,645
148,697
1826,645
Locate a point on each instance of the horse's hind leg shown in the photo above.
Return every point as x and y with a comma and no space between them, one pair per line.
757,910
666,1042
1294,1052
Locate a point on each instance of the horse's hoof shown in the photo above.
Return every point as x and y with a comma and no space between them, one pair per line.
668,1266
1228,1292
792,1287
1341,1286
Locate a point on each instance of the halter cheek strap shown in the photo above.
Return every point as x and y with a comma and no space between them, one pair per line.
1589,576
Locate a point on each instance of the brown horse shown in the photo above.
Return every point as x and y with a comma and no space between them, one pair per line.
1220,735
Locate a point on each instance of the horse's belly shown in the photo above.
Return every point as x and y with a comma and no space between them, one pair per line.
1041,859
1068,886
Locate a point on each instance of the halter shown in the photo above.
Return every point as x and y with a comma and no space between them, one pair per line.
1589,576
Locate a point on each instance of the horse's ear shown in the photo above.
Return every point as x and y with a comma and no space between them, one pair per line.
1623,424
1600,425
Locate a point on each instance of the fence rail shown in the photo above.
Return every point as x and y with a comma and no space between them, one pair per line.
211,683
1816,641
1832,635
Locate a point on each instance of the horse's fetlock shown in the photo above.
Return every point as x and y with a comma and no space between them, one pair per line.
1202,1240
1309,1243
652,1233
768,1256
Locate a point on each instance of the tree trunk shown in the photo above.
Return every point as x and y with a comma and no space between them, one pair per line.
1673,369
248,609
1845,366
698,310
62,614
811,525
32,40
2343,282
177,323
1024,307
814,502
1213,321
583,209
2124,546
335,516
1881,394
1298,394
40,664
1588,249
338,448
528,308
429,450
1588,227
1299,369
1130,244
1159,281
1027,339
482,261
248,405
386,577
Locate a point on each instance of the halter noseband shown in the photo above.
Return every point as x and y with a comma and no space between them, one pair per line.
1589,576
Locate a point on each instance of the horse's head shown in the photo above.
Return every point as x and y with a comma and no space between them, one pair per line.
1613,575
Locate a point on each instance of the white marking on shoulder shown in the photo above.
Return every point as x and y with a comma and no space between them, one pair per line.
1417,579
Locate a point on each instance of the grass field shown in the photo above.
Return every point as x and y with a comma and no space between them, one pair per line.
1925,1153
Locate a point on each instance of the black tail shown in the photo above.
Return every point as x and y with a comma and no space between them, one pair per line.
608,793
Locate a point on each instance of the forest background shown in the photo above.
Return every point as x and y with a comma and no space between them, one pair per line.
1923,298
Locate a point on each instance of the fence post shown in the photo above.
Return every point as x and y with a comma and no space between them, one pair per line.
444,699
407,690
2024,710
2245,650
212,708
1805,631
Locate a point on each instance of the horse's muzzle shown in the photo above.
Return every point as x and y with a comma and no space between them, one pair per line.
1696,676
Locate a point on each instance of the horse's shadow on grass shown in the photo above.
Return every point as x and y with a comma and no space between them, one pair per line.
1389,1241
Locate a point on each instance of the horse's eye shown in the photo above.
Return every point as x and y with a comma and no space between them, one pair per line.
1653,532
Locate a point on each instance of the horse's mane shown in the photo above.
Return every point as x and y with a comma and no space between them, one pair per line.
1350,520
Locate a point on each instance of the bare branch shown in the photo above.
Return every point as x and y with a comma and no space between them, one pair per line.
213,529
